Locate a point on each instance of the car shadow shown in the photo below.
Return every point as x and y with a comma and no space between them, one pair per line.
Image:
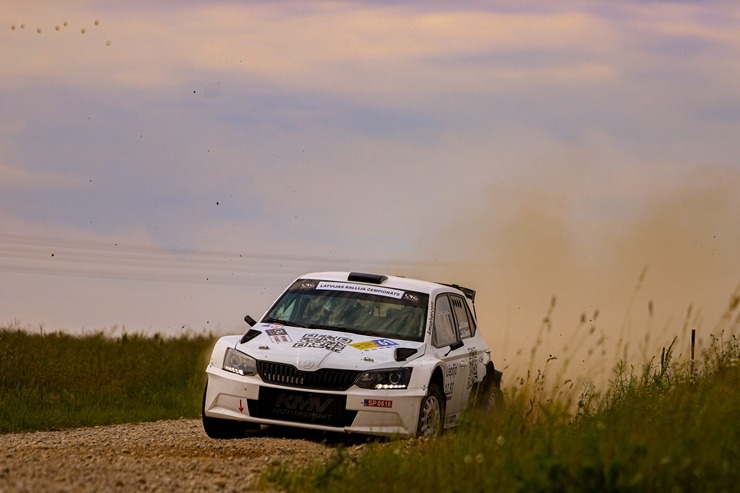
330,438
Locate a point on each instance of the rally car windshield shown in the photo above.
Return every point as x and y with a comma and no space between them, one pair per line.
352,307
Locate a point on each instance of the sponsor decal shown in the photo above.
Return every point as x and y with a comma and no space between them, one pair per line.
300,406
465,330
374,344
323,341
430,322
450,374
473,375
449,389
377,403
278,335
361,288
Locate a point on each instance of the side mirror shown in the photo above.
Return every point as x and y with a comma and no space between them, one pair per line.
250,320
456,345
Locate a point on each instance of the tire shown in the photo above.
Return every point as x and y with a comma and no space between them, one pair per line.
224,429
431,413
490,399
493,398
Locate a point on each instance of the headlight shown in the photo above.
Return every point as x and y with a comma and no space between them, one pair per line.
239,363
397,378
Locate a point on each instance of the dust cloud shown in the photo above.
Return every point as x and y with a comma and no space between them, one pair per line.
574,284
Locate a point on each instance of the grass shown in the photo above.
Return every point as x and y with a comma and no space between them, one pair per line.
663,426
667,424
652,430
55,380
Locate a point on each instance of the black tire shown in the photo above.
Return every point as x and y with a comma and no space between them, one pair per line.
490,398
493,398
224,429
431,413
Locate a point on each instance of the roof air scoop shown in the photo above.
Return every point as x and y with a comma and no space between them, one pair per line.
368,278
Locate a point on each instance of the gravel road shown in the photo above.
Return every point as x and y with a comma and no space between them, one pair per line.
167,456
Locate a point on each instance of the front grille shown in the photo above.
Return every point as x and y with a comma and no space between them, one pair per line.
301,407
289,375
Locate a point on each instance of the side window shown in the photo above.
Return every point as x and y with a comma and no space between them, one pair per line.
444,323
465,326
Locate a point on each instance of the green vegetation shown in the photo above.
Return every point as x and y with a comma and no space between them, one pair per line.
664,427
54,380
660,429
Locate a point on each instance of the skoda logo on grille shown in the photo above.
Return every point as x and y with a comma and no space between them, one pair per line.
307,364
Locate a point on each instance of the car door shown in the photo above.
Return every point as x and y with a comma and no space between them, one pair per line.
449,349
466,327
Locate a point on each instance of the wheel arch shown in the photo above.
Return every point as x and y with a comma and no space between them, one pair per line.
438,378
493,375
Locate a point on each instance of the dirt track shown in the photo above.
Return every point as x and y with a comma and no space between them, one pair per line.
163,456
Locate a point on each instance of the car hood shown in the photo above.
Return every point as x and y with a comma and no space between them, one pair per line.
312,349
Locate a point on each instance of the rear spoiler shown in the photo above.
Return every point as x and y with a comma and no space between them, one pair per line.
469,293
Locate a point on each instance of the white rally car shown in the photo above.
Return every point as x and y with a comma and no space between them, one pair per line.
354,352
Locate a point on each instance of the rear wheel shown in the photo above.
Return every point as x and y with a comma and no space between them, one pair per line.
431,414
224,429
490,398
493,398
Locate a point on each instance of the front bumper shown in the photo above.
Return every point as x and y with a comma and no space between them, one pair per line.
356,410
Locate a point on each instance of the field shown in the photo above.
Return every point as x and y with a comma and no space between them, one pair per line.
656,429
53,380
663,425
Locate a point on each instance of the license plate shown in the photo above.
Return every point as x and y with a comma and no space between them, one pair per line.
377,403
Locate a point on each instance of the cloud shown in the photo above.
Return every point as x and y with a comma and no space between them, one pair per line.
18,178
529,150
361,50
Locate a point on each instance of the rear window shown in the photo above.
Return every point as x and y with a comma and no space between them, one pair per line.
465,324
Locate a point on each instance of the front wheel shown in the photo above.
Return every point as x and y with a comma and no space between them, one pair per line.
431,414
224,429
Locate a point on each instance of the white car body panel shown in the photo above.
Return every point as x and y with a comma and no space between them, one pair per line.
282,399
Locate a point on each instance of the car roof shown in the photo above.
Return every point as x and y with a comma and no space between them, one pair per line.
390,281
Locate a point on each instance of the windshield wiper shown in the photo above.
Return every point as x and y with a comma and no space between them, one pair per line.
321,327
281,322
337,328
303,325
370,333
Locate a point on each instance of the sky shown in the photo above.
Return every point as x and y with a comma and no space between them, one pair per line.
171,166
